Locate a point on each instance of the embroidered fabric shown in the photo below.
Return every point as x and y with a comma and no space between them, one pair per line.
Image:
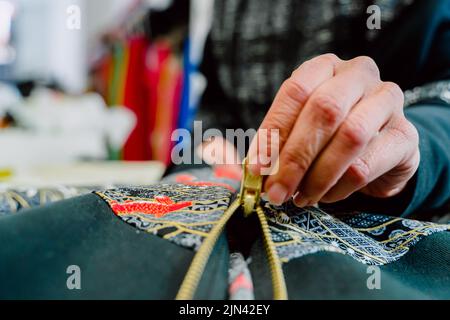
370,239
180,213
14,200
185,214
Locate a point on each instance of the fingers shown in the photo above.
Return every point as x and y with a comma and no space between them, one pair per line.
288,103
390,160
360,127
317,123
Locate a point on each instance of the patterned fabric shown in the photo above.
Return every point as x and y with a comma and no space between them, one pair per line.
185,214
14,200
370,239
180,213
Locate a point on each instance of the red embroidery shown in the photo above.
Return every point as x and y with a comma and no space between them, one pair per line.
161,207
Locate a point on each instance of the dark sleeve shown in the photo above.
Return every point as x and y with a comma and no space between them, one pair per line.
422,65
431,185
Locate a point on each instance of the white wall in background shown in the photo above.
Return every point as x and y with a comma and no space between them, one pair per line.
46,48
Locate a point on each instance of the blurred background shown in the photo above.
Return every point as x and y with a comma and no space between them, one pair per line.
91,91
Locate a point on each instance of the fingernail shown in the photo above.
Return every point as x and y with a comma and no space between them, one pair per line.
300,201
277,194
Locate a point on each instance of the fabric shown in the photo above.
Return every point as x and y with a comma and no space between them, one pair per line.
15,200
185,214
137,146
367,239
115,260
147,77
422,273
165,88
182,214
142,240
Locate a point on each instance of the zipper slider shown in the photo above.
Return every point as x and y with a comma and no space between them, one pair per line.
251,187
249,198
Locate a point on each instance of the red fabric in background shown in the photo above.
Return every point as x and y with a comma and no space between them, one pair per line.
156,57
136,95
166,70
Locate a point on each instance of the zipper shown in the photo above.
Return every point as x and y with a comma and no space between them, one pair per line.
248,198
198,264
276,271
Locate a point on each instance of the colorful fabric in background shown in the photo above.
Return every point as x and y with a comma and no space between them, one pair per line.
166,83
147,78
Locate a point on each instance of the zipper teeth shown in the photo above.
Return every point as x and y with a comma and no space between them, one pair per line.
276,271
193,276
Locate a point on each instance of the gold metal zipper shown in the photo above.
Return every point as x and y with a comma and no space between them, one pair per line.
276,271
198,264
249,199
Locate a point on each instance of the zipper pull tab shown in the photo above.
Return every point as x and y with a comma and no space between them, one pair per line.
251,187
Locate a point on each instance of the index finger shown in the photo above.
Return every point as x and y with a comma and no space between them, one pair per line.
288,103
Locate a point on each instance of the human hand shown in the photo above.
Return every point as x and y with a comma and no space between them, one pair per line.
342,130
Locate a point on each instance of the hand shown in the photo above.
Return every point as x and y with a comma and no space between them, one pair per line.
342,130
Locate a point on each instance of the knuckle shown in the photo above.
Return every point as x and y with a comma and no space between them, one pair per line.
405,131
328,108
415,161
395,92
329,58
355,133
411,133
278,118
295,91
368,64
359,173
